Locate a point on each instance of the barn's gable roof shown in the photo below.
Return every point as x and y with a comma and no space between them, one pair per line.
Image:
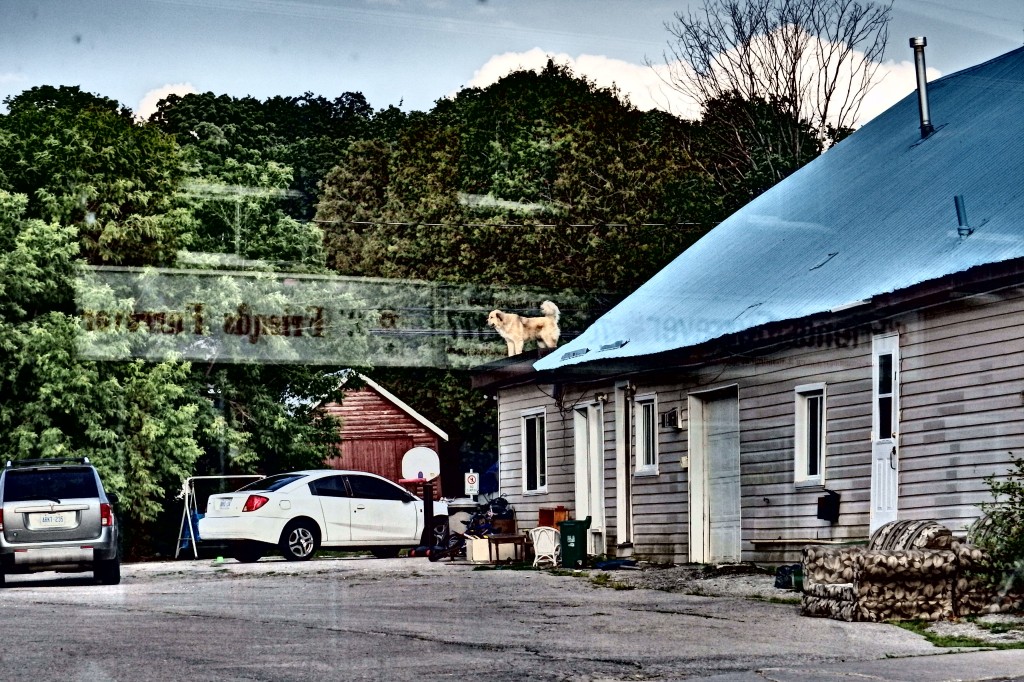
344,376
873,215
403,406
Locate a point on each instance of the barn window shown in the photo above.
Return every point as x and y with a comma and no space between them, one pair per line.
646,435
809,435
535,457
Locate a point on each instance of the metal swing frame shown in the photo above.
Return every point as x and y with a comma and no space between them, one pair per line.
188,492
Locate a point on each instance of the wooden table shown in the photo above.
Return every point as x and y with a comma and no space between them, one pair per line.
517,541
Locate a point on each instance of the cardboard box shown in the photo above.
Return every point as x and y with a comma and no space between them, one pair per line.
477,551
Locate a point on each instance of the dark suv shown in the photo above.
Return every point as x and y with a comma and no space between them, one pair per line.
55,516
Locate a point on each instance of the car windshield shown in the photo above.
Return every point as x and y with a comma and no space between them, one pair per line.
272,483
55,485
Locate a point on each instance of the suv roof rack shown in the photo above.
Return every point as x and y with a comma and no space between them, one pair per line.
47,460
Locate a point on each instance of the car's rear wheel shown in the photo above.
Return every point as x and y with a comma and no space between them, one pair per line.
107,571
299,541
248,552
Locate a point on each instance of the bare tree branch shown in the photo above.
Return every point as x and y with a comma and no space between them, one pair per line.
816,59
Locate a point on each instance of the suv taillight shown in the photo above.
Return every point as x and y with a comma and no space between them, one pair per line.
1,519
106,515
255,502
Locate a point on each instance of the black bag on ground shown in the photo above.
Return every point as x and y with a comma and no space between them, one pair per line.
784,576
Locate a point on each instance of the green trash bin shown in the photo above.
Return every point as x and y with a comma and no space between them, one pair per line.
574,542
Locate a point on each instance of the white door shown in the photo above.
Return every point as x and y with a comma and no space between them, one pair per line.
715,514
623,473
588,423
723,447
336,506
381,511
885,362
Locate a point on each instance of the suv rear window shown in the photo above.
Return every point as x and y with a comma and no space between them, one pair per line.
56,484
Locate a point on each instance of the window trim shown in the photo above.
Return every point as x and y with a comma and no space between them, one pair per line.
642,468
524,417
801,395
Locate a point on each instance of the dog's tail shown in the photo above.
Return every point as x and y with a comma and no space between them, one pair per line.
550,310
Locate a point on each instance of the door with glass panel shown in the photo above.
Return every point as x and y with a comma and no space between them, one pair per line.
589,465
884,429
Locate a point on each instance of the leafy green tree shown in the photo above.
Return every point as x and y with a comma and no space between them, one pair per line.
82,160
748,145
597,190
136,422
306,134
354,198
1003,536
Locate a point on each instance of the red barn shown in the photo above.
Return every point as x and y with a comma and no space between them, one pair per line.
377,429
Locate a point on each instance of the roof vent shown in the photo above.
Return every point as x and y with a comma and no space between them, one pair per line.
614,345
575,354
922,86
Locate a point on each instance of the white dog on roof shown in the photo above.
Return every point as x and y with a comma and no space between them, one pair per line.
517,329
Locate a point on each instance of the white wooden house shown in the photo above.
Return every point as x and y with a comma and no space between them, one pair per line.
859,329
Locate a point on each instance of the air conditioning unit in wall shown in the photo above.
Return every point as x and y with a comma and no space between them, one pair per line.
671,419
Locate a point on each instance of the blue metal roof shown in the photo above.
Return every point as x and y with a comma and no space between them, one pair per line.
873,215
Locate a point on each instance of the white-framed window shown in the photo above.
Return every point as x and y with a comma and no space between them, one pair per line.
646,434
809,436
535,452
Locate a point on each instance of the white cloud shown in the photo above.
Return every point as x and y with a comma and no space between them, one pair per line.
646,89
147,105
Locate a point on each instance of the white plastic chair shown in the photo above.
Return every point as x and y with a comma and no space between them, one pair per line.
546,545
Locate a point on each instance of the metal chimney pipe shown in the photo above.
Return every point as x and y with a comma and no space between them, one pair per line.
961,210
922,86
964,228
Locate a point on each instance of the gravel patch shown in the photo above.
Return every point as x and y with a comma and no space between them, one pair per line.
750,581
996,628
732,580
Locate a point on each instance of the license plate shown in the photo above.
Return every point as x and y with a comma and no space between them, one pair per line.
54,520
224,503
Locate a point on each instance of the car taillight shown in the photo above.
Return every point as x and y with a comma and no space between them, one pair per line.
106,515
255,502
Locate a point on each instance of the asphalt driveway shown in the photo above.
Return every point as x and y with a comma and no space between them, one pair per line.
405,619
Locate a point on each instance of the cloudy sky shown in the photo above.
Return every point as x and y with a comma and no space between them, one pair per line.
409,52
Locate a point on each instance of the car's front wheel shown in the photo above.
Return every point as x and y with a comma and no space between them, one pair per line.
108,571
299,541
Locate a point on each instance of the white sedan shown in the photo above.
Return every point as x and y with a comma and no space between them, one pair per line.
302,511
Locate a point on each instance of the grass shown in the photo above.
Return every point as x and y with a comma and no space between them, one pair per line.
605,580
922,627
998,628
